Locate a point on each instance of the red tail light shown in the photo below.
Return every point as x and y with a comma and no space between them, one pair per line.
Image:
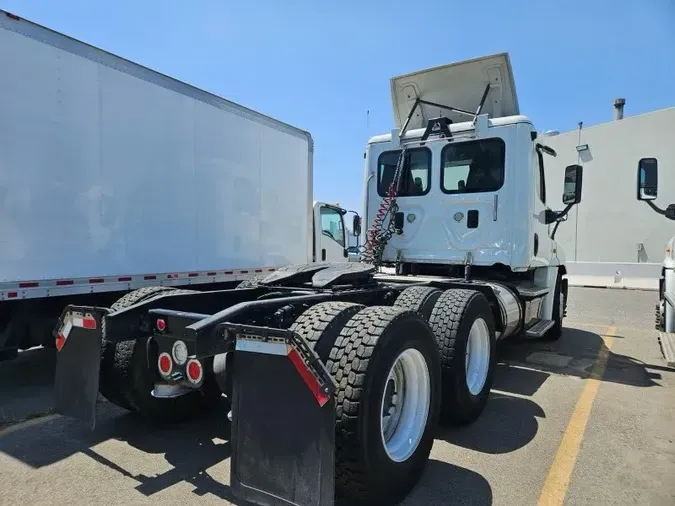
165,364
161,324
195,372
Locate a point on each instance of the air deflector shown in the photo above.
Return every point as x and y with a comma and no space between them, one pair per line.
459,85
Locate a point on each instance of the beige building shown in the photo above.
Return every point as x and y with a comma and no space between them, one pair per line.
611,238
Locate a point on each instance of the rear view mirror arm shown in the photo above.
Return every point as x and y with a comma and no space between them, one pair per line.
662,212
555,216
546,149
552,216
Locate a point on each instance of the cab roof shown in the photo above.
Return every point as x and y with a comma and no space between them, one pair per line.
466,126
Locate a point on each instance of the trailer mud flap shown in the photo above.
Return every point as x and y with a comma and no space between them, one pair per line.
78,342
283,429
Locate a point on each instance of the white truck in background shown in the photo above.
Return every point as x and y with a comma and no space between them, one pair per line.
114,177
647,191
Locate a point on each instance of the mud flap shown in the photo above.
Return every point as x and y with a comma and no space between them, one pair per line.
78,342
283,429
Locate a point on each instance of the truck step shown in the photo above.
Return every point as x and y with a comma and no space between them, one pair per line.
667,340
539,328
530,291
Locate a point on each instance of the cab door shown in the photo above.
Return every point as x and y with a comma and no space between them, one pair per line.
541,241
329,234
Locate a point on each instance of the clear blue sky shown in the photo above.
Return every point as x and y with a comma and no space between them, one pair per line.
321,65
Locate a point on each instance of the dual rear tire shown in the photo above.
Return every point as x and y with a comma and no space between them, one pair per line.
464,329
385,363
400,371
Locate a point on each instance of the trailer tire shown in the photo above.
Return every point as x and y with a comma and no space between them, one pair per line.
419,298
463,319
127,379
362,360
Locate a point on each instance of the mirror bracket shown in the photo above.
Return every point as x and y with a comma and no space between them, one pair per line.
668,212
557,216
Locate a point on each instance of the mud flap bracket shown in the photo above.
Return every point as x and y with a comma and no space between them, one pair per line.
283,428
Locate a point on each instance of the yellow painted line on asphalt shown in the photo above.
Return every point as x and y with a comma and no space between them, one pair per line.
26,424
604,326
560,473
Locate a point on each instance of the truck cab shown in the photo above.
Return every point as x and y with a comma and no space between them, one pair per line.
330,234
459,183
647,191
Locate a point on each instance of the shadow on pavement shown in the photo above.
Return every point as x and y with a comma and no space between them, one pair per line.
574,354
444,484
507,424
189,447
26,385
193,448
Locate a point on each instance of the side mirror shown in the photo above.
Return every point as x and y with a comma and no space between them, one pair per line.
356,225
648,179
572,188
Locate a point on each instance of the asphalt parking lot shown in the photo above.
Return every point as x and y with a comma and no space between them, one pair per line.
589,419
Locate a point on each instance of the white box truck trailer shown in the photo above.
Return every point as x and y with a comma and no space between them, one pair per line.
114,177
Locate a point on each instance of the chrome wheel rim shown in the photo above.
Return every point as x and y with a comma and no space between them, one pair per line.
405,405
477,360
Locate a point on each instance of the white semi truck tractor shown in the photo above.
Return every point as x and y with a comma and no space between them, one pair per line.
647,191
337,375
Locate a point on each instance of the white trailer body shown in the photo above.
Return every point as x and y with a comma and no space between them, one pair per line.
111,171
114,177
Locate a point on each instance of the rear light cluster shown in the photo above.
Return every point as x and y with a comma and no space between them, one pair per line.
194,370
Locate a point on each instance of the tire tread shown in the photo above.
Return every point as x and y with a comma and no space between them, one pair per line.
446,318
348,363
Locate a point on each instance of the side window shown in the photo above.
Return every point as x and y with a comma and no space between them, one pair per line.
542,177
414,181
331,225
473,166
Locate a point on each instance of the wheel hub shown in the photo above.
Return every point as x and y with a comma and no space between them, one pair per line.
477,358
405,405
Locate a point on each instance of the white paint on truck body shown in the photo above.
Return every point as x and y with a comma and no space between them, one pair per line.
447,179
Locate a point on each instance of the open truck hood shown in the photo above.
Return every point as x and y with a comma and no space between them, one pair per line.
459,85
